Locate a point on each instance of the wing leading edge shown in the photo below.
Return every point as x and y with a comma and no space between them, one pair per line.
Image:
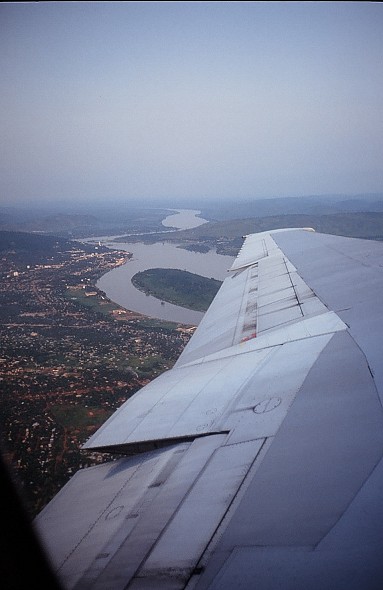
257,460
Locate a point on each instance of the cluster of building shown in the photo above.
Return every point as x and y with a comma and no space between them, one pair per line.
66,366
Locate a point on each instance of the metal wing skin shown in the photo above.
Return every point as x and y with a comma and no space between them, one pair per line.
256,462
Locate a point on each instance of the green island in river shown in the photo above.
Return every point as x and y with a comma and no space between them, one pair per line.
178,287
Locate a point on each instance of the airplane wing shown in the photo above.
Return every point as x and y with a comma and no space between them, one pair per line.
256,461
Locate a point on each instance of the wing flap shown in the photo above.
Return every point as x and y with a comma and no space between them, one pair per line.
191,407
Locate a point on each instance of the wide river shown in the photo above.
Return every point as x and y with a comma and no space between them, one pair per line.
117,282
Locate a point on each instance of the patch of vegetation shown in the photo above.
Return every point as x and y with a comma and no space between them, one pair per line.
178,287
75,417
153,323
150,366
202,248
96,303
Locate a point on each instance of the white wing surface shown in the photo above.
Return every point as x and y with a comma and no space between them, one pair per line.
256,462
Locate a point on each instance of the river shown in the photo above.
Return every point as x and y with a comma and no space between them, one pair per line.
184,219
119,288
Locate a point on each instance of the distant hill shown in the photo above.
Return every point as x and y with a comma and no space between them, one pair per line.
62,221
26,248
90,221
307,205
358,225
328,213
25,241
60,224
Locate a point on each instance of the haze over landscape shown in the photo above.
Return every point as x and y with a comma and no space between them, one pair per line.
122,101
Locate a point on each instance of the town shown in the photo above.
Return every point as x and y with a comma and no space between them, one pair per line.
69,356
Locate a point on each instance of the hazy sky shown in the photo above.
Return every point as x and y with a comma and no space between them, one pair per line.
190,99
